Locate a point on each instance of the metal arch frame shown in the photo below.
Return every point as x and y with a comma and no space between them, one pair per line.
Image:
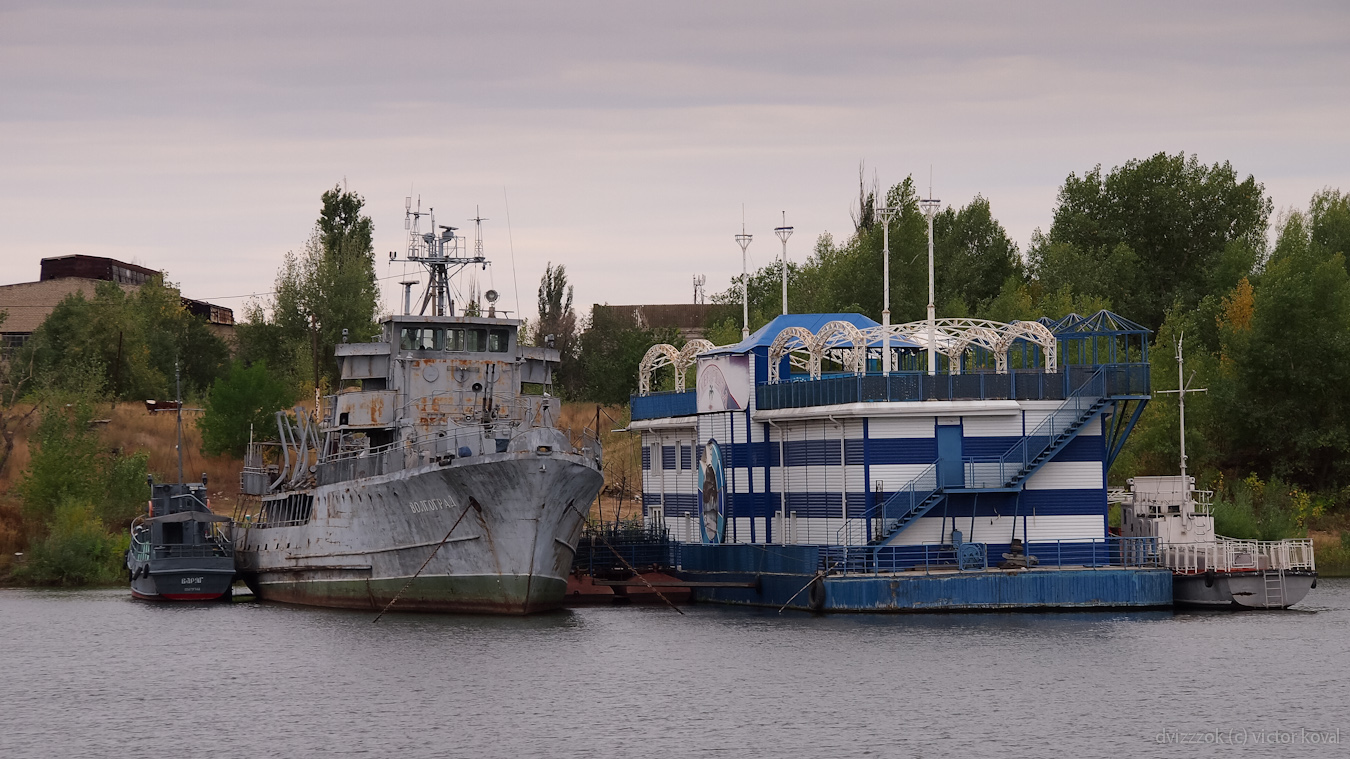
1034,332
662,355
658,356
844,336
791,342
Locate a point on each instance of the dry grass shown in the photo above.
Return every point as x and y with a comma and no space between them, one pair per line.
622,457
1332,555
131,428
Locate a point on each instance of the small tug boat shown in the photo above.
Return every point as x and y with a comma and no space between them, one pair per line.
1210,570
180,551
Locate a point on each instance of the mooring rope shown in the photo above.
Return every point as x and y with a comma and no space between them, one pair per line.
473,504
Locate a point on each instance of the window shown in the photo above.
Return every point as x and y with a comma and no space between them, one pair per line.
475,340
498,340
422,339
454,340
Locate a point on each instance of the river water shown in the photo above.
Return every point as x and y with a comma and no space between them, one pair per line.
94,673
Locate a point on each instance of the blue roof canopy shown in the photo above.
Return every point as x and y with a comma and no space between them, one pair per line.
764,336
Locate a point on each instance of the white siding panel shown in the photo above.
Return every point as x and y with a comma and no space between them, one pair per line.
740,480
1067,475
901,427
815,479
739,429
853,428
893,476
1048,528
1009,425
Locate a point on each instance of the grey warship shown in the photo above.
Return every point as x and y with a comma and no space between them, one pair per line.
437,475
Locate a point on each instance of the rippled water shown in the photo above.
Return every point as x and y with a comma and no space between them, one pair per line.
93,673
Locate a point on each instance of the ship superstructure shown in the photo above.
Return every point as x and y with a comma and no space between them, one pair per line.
941,449
437,474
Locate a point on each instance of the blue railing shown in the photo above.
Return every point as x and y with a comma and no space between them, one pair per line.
1019,384
1101,553
661,405
883,519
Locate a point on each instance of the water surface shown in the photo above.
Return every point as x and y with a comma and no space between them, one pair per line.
94,673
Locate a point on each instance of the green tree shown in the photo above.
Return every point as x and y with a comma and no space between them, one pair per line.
1155,232
242,404
134,337
972,258
611,350
1285,365
556,318
330,286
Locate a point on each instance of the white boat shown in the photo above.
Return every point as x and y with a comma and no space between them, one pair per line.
1209,569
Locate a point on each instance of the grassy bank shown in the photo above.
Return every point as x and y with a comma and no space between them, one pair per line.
1332,552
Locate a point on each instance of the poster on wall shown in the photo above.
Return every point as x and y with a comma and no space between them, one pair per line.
724,383
712,494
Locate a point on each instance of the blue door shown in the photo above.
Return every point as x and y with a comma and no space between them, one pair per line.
950,471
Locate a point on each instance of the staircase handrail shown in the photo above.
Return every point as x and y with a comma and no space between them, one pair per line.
1036,442
916,490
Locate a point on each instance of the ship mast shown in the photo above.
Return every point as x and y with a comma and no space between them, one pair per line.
441,255
1181,391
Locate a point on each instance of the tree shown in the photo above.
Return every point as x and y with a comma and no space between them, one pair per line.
1285,364
134,337
1186,229
611,351
557,319
328,287
242,405
972,258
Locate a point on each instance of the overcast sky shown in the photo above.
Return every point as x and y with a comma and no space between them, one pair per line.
197,137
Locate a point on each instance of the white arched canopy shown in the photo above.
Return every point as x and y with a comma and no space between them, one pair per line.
663,355
951,337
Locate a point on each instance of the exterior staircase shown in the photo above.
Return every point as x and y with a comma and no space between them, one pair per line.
1011,470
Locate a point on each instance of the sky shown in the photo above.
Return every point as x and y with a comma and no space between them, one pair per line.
625,140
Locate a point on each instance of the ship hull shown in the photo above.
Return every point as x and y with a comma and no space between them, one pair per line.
1269,589
491,534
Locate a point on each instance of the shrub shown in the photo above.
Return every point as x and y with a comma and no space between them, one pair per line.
76,551
246,398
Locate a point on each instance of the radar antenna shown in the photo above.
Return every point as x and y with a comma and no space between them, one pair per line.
441,254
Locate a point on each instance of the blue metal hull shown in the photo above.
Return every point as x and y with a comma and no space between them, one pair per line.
786,577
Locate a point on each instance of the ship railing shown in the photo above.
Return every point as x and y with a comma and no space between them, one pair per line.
1100,553
1233,555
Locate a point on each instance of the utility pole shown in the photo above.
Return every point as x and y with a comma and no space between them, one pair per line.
784,232
884,214
743,240
930,206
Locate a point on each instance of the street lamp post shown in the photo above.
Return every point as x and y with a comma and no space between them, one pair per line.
743,240
784,232
884,213
930,206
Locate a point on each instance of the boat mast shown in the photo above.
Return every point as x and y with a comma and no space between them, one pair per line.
178,387
1181,391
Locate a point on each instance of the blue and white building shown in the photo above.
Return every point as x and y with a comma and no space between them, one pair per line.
832,432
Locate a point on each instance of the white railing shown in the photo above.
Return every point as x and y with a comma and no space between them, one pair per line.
1230,555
